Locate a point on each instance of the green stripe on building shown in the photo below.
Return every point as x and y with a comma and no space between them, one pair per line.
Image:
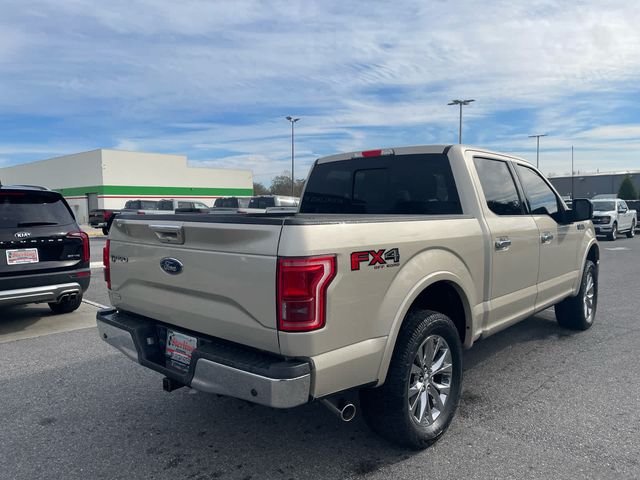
132,190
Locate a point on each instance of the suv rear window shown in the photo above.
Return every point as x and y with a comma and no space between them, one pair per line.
420,184
262,202
29,209
226,203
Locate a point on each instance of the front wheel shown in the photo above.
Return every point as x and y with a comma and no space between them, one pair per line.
632,233
614,232
418,400
579,312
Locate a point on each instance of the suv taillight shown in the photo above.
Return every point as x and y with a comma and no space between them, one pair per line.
105,262
302,291
107,215
86,253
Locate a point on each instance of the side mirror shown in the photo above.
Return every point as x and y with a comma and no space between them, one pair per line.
582,209
621,210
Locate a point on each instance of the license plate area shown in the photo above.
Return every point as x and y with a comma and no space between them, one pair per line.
179,348
22,256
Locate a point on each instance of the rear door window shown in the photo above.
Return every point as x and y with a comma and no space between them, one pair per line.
29,209
419,184
165,205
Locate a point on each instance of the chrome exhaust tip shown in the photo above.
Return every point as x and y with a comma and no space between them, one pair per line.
345,411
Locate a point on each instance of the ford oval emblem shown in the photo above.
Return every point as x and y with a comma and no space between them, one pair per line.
171,266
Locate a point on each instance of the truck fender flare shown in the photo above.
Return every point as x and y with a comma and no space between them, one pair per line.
578,280
406,305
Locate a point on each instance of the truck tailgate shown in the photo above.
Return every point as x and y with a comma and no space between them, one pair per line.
224,284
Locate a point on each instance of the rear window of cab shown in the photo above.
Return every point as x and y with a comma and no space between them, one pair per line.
420,184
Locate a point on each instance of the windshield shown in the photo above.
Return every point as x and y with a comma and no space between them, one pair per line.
23,209
603,206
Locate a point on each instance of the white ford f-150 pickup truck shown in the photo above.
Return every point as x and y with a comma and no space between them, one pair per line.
612,216
396,260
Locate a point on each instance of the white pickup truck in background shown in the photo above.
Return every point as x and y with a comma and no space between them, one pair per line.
396,260
612,216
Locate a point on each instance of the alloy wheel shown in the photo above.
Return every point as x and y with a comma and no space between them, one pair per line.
589,297
430,380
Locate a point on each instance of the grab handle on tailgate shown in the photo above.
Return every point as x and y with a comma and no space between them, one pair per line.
169,233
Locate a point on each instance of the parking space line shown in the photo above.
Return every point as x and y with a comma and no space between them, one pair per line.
93,304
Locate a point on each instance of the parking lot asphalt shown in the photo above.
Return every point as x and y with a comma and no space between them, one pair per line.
538,401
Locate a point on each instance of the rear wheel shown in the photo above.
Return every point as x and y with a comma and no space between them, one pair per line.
418,400
632,233
614,232
579,312
66,306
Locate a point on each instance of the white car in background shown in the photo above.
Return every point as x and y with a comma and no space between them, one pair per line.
612,216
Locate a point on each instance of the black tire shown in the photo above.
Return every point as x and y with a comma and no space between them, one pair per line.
386,409
632,233
571,312
614,232
66,306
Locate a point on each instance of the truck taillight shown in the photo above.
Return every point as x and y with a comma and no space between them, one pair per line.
302,290
107,214
86,252
105,262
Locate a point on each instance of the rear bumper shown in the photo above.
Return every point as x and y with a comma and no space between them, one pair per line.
49,293
216,366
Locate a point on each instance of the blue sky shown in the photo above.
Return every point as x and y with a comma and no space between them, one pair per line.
214,80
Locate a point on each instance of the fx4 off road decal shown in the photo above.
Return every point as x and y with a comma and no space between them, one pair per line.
377,259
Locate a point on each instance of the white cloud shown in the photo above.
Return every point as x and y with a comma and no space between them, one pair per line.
361,74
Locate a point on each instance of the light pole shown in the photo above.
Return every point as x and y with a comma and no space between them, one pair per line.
537,137
461,103
293,121
572,194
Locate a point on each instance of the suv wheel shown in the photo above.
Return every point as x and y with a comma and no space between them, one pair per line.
418,400
578,313
632,233
614,232
66,306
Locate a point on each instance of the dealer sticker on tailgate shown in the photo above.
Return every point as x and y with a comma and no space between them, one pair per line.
22,255
180,347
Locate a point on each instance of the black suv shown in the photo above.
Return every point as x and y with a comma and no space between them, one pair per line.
44,256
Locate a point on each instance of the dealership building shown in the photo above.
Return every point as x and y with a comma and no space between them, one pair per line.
586,185
108,178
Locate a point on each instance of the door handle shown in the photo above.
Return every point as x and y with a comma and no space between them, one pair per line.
169,233
546,237
502,244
